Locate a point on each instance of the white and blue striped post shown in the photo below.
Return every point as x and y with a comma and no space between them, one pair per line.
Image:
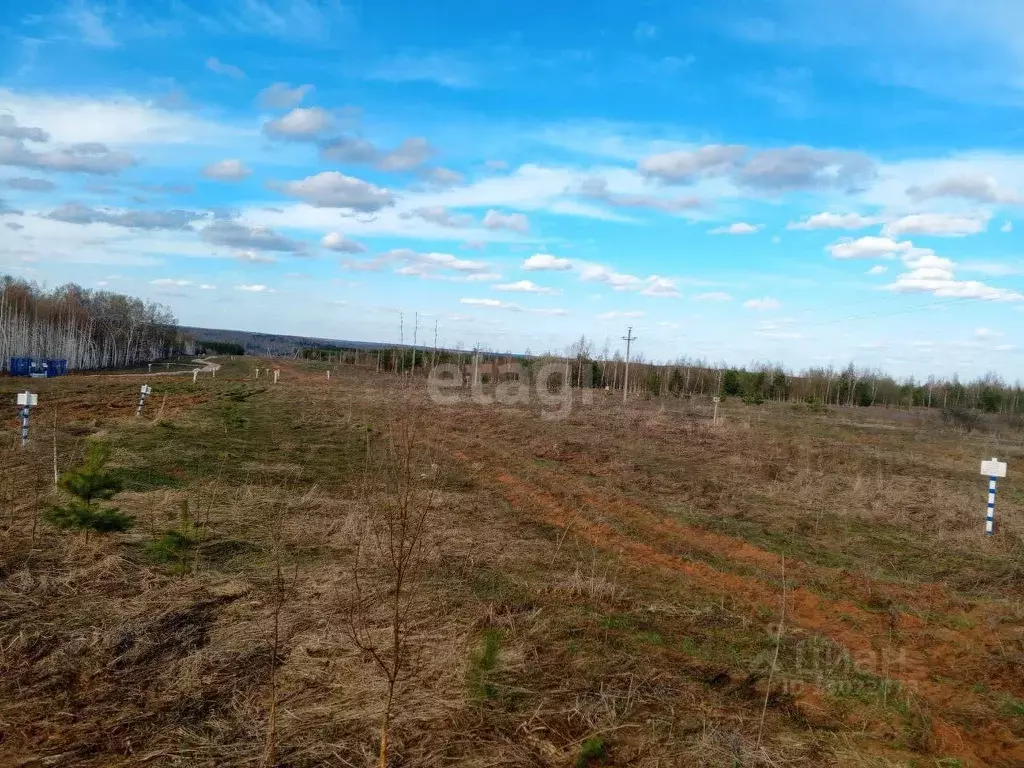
994,469
990,516
146,389
26,400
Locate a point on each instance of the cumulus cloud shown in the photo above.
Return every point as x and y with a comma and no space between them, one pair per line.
796,168
331,189
596,188
878,269
227,170
12,225
9,129
75,213
736,228
88,157
967,186
942,224
30,185
515,222
254,257
767,303
987,333
234,234
828,220
868,248
526,286
1007,226
219,67
410,155
255,288
430,265
661,286
653,285
545,262
442,177
335,241
927,272
685,166
282,96
440,215
301,124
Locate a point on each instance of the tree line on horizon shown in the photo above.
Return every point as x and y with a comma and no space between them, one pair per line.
692,377
90,329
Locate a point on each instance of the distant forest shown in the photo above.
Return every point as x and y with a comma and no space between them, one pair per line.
90,329
688,377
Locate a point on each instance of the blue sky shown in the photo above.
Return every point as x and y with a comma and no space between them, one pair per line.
803,181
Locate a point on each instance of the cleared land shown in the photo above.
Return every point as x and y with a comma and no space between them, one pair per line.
603,589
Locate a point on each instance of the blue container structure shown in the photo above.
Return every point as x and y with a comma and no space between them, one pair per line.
48,368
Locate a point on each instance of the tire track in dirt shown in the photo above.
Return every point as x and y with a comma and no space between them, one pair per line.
857,630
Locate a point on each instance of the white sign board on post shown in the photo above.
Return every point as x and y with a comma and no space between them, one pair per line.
994,468
27,398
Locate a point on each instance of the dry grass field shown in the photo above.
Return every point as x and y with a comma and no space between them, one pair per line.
629,585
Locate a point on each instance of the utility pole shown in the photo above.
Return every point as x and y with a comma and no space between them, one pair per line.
629,338
415,339
433,357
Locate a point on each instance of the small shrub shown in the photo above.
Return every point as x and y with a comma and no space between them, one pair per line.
89,483
961,419
592,750
815,405
175,547
754,399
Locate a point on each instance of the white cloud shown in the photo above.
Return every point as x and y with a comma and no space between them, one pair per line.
117,121
616,315
227,170
331,189
978,187
335,241
282,96
408,155
254,257
942,224
89,157
440,215
1007,226
207,287
515,222
878,269
526,286
929,273
987,333
234,234
829,220
257,288
869,247
545,262
767,303
597,188
685,166
713,296
661,286
617,280
219,67
168,282
496,304
736,228
301,124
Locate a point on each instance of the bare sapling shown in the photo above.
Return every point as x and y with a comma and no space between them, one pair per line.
400,491
281,589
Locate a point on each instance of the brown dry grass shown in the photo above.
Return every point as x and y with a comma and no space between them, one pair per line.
628,558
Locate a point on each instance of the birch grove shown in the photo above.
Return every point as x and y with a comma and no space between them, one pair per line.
90,329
